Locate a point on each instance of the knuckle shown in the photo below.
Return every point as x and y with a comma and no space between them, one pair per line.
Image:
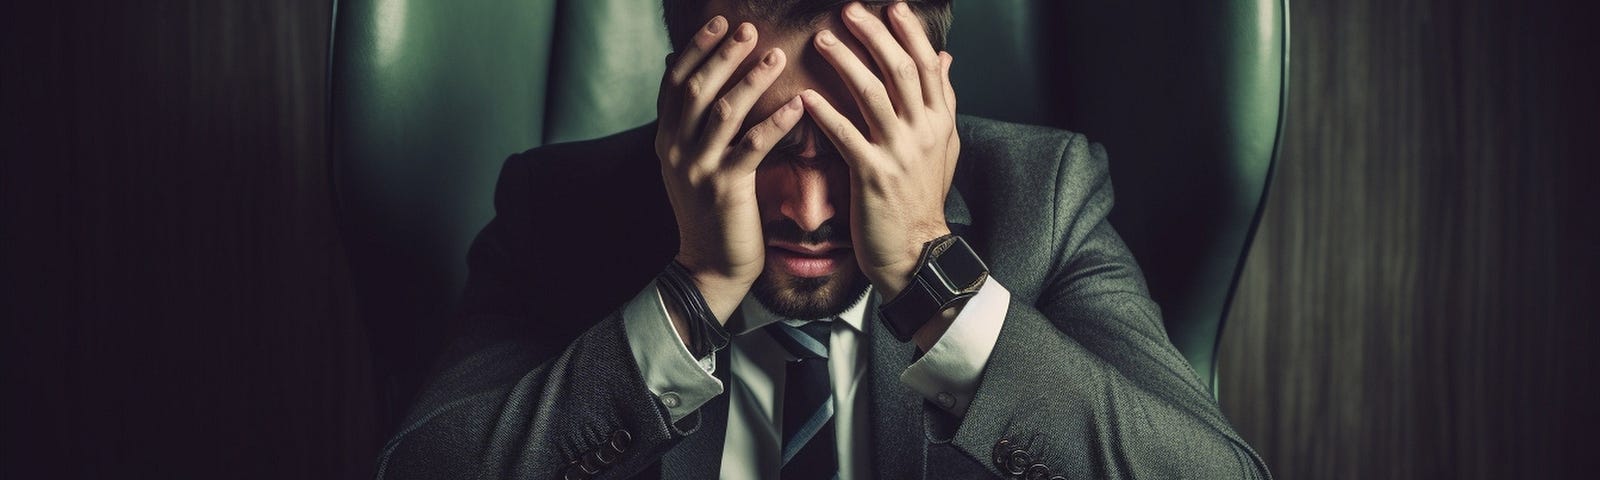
904,67
705,40
695,87
869,93
754,141
668,155
753,78
722,111
845,137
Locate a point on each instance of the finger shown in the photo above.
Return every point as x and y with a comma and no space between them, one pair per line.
759,140
703,86
869,93
700,45
727,115
679,65
836,126
915,41
900,72
945,60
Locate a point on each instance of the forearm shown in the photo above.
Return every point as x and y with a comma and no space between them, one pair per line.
1106,401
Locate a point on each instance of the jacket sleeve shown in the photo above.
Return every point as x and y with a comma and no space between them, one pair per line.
1084,380
519,394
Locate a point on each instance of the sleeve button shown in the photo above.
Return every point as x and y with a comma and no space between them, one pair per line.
1002,451
574,474
586,467
1018,462
671,400
1037,472
620,440
947,400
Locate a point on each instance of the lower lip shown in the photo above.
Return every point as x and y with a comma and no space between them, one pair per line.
802,265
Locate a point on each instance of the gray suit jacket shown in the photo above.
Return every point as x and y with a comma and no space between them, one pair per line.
1083,381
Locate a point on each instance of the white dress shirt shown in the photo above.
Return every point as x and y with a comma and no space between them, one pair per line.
947,375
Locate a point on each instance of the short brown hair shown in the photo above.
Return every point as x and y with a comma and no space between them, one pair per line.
684,16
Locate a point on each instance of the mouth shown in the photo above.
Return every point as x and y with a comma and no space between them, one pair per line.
809,261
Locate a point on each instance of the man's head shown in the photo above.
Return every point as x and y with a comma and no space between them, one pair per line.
803,186
684,16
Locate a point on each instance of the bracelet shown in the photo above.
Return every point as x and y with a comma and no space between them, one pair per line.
706,334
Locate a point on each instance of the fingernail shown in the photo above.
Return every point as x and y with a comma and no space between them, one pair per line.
794,103
827,38
855,10
745,33
903,10
716,25
771,58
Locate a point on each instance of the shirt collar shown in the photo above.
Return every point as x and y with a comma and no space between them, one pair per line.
752,315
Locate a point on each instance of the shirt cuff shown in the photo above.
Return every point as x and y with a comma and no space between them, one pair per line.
680,382
948,374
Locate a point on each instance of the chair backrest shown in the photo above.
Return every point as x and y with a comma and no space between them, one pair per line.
1188,99
428,97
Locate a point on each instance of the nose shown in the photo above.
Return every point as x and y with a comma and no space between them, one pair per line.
807,201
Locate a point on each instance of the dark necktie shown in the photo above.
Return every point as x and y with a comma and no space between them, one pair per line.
807,412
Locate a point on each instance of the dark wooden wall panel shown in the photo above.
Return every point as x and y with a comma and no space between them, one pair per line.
1419,299
175,301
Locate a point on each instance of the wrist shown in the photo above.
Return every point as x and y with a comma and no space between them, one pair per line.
891,279
722,293
691,317
948,273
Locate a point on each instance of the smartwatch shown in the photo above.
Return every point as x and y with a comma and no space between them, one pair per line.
948,273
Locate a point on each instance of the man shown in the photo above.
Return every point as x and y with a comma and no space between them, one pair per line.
863,285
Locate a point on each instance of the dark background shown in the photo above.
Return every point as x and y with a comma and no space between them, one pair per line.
1418,303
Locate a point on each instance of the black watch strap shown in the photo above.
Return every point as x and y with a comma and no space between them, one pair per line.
948,272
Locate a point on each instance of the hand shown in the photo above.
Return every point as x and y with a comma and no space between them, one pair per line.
900,169
710,180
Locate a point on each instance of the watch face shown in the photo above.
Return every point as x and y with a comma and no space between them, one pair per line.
961,267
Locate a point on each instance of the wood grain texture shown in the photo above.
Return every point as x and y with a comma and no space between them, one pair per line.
175,301
1418,301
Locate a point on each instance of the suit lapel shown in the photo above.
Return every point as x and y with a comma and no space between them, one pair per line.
699,455
899,442
898,445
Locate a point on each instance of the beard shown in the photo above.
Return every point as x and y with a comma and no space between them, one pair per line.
810,298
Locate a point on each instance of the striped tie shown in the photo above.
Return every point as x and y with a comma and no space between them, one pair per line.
808,438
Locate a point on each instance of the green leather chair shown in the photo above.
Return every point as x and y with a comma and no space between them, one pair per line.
428,97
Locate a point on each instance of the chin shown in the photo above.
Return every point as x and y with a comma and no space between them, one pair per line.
809,298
